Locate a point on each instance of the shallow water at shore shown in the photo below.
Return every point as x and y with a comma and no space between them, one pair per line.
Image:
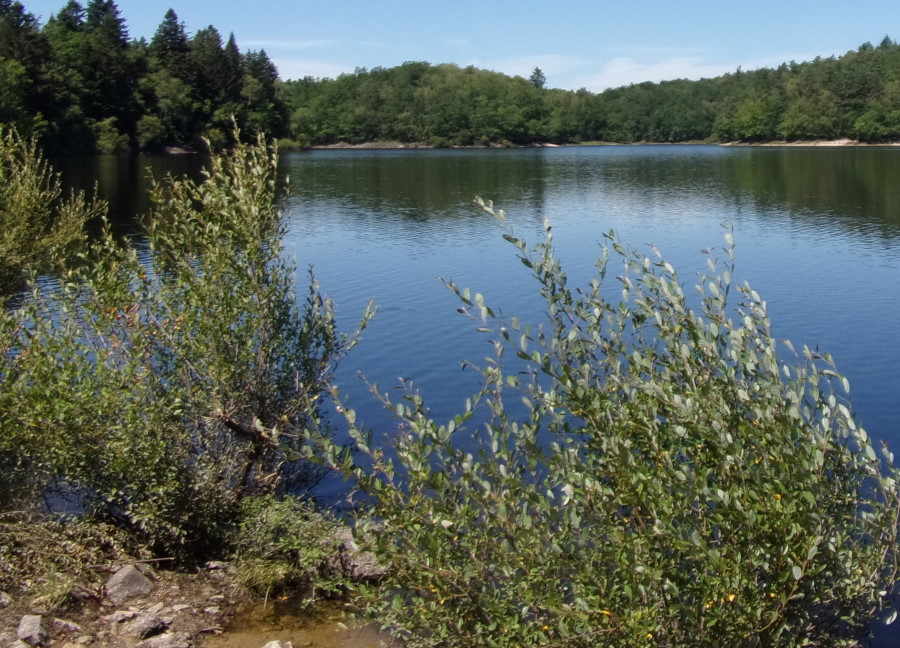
259,623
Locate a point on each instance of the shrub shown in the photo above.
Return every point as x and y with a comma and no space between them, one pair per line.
669,481
286,543
37,226
158,387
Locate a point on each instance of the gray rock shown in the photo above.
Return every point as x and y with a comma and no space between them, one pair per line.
67,626
5,600
127,583
279,644
168,640
31,630
155,609
20,644
355,564
180,607
146,625
119,615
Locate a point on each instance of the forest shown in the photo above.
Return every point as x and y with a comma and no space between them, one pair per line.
80,83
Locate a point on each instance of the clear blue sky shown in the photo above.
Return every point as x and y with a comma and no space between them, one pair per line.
577,43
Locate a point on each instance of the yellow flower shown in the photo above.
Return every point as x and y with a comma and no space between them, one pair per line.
778,496
731,598
606,612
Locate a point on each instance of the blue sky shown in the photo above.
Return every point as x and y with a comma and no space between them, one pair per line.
577,43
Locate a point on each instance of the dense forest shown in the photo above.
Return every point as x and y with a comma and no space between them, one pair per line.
80,83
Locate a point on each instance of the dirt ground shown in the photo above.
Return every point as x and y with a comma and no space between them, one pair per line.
195,606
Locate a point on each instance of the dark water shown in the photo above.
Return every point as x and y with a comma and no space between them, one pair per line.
817,230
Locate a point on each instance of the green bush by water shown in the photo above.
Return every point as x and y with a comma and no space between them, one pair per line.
673,482
157,389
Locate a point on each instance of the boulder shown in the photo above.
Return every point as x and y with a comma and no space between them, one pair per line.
127,583
31,630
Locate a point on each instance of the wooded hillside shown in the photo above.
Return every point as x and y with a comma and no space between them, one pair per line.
80,83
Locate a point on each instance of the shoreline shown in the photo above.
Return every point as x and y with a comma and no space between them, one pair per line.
394,145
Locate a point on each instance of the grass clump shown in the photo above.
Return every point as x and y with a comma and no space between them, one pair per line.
287,544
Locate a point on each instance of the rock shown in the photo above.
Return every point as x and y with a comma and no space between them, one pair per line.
31,630
355,564
146,625
212,610
217,597
20,644
67,626
119,616
156,609
213,565
279,644
168,640
127,583
5,600
180,608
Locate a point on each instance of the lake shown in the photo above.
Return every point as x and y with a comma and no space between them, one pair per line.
817,233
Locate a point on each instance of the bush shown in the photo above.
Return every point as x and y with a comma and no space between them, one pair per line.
287,544
159,387
37,226
669,482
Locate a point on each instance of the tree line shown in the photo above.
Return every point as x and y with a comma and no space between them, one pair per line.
79,83
856,96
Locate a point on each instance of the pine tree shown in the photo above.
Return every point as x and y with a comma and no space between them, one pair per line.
169,47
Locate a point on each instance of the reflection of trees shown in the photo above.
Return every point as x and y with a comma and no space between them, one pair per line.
417,185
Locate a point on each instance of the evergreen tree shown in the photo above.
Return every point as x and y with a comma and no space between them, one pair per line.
170,49
26,55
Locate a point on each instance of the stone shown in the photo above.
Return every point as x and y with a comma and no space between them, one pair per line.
119,616
67,626
128,582
212,610
146,625
31,630
168,640
355,564
5,600
180,607
156,609
279,644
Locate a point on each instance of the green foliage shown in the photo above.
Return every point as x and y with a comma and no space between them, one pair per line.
81,69
38,228
648,473
286,543
159,387
109,139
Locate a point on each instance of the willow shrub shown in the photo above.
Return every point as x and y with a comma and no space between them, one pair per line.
37,225
157,387
671,482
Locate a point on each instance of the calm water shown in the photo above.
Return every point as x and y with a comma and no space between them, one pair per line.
818,235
